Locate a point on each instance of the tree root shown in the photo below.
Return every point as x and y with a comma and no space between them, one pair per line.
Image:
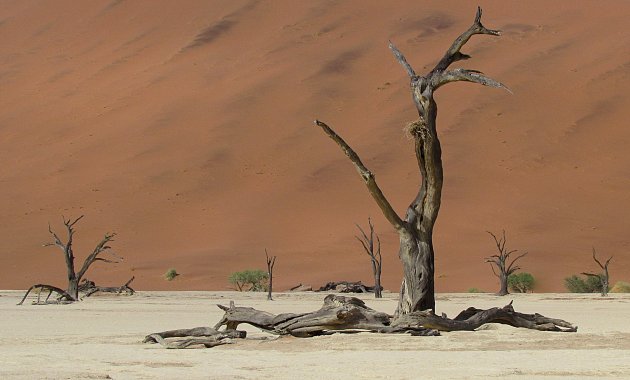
341,314
62,298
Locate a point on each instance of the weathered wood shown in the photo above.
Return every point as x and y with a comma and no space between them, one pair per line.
74,278
206,336
341,314
301,288
63,296
347,287
473,318
417,291
89,288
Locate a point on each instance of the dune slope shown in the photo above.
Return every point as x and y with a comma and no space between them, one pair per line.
186,127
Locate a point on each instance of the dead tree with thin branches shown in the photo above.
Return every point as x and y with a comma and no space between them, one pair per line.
604,276
415,312
415,230
271,261
504,267
374,251
71,294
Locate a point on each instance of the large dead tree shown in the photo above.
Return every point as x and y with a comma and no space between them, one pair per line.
374,251
415,230
504,267
604,276
71,294
415,311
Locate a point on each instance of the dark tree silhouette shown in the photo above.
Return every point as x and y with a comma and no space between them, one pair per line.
604,276
374,251
504,267
271,261
71,294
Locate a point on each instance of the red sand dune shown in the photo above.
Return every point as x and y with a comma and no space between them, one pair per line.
186,127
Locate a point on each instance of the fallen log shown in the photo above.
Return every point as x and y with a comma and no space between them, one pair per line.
89,287
341,314
198,336
473,318
347,287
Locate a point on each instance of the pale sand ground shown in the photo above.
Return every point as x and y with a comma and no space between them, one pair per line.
102,336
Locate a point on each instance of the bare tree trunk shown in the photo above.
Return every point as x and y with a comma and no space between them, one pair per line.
374,251
501,261
416,230
74,277
270,264
604,276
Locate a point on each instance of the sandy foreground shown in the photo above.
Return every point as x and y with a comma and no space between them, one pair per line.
101,338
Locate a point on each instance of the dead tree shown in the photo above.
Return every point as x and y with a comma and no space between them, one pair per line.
341,314
417,291
504,268
88,288
374,251
415,311
71,294
270,263
603,277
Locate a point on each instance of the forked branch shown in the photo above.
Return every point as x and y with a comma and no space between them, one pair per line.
453,54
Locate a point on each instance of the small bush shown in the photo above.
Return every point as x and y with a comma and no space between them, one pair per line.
621,287
475,290
171,274
253,280
577,284
521,282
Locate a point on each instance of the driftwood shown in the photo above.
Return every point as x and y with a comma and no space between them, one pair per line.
340,314
347,287
89,287
195,337
349,314
301,288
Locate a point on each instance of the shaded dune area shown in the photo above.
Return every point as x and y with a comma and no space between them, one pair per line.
186,128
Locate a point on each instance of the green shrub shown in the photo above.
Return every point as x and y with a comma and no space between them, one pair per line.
171,274
621,287
253,280
475,290
577,284
521,282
